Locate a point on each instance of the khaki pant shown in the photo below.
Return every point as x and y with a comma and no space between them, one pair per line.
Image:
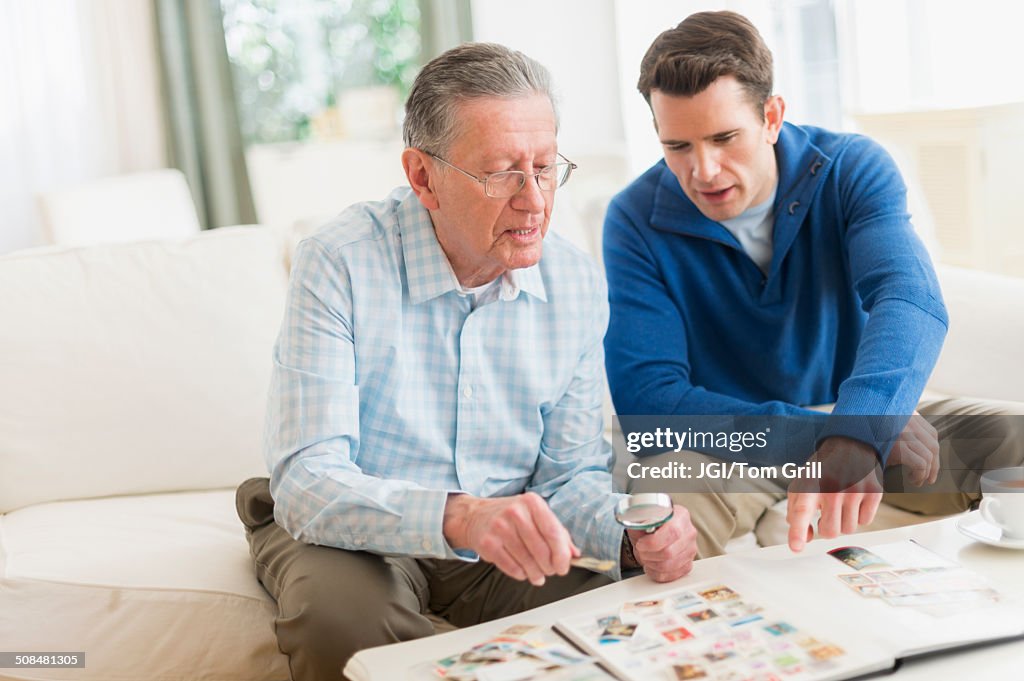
968,445
332,603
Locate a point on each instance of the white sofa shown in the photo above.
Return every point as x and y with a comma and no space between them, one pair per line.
133,380
133,384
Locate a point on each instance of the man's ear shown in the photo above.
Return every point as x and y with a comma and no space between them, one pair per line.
419,170
774,110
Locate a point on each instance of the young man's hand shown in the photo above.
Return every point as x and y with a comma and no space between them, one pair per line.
519,534
850,490
667,553
848,465
917,449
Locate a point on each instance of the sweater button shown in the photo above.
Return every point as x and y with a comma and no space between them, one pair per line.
793,206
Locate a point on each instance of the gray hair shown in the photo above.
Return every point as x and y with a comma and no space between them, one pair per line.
469,71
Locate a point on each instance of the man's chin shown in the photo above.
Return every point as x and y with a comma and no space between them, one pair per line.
527,257
714,210
718,213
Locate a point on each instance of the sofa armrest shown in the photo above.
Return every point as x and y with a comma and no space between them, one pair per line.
981,356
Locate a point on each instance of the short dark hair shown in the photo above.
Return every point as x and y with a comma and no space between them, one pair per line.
705,46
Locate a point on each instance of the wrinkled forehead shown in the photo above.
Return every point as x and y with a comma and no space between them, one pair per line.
506,127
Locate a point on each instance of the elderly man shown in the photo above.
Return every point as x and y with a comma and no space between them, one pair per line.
434,427
763,267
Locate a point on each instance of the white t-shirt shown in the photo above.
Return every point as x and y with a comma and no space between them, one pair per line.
483,294
753,229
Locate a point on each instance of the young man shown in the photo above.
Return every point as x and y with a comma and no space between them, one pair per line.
434,425
763,267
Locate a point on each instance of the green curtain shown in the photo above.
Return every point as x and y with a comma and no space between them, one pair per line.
205,139
443,25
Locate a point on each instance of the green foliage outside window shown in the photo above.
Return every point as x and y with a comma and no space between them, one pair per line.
292,58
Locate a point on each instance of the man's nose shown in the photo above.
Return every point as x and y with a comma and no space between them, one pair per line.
705,165
530,197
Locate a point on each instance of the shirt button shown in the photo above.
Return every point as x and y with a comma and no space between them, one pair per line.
467,391
426,545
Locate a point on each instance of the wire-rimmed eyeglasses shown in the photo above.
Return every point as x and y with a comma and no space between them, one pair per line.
506,183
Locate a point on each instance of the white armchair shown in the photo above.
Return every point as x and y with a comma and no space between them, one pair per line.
155,204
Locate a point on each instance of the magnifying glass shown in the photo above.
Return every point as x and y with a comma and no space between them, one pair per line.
646,512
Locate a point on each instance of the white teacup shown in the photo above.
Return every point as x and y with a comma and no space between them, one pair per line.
1003,500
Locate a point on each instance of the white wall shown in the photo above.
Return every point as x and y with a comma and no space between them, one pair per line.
909,55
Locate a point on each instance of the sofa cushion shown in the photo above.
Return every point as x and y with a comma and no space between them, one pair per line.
162,583
136,368
981,355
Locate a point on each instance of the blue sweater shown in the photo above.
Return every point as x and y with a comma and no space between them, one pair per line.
850,311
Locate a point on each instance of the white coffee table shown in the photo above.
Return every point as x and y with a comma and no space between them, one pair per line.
1003,567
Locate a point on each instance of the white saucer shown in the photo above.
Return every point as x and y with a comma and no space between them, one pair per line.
976,527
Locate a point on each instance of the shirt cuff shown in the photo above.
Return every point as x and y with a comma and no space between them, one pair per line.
425,529
608,533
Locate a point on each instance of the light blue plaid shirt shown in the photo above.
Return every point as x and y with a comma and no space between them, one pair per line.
389,391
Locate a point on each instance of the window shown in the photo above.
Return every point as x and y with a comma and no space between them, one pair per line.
300,66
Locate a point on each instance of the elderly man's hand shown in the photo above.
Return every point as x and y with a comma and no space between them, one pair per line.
667,553
519,534
847,465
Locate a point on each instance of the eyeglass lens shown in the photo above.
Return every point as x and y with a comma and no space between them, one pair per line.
509,182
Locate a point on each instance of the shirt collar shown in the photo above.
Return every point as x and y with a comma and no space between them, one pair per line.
528,280
426,267
428,271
